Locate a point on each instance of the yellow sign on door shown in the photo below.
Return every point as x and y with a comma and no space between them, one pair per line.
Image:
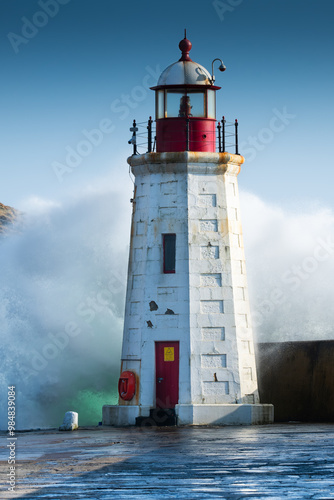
168,353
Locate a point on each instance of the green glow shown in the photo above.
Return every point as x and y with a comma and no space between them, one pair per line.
89,404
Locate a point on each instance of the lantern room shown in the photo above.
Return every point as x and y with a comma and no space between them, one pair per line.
186,106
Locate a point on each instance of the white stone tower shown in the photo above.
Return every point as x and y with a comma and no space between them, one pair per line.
187,342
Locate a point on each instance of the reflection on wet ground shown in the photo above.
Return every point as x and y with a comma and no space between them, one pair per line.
260,462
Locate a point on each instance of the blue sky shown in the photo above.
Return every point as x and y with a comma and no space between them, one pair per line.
76,67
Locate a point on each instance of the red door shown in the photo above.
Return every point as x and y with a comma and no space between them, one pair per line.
167,374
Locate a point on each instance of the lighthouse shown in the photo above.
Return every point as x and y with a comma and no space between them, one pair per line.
188,352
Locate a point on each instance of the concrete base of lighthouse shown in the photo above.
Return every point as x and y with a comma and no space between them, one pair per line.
122,416
192,414
225,414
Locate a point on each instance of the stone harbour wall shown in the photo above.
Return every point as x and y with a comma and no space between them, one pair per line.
298,379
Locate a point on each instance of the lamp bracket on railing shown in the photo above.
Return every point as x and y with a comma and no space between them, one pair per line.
222,67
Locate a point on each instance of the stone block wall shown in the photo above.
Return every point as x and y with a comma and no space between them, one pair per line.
298,379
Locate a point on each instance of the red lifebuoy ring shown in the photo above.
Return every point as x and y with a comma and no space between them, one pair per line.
127,385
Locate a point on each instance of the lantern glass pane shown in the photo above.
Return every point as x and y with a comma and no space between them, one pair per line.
173,103
183,104
196,102
211,104
160,104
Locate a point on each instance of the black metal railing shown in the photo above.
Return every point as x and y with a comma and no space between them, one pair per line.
142,139
225,137
227,132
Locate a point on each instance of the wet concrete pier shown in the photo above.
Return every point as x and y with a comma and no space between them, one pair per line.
265,462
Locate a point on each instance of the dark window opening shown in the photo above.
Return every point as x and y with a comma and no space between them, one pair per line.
169,245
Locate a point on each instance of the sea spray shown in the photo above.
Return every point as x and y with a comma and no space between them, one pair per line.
63,276
290,266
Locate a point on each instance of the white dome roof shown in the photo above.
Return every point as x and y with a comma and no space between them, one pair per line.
185,73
